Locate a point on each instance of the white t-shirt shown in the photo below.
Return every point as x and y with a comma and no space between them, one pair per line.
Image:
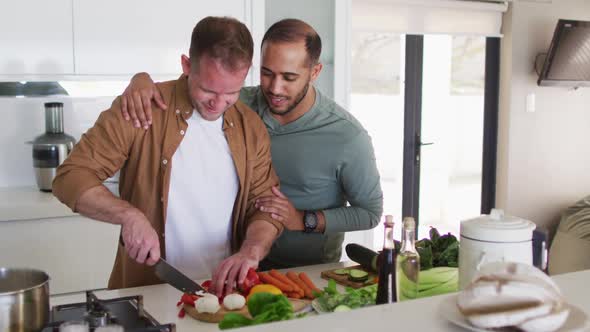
203,189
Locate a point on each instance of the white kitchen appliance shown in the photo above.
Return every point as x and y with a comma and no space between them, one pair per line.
493,238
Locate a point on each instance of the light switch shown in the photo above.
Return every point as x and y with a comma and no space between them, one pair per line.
530,103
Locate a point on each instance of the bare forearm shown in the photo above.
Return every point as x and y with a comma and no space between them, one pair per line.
259,238
140,238
100,204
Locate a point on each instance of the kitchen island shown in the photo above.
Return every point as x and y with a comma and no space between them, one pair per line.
417,315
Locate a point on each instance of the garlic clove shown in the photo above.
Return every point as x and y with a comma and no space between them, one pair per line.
234,302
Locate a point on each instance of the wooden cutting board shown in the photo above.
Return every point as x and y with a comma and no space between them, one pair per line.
218,316
343,279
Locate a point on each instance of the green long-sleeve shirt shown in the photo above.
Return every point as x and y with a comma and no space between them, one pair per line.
324,159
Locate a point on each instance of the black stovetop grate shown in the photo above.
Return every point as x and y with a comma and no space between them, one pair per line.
127,312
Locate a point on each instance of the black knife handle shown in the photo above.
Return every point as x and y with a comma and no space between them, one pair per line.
362,255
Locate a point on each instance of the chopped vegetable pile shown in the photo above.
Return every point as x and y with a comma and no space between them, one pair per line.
352,298
266,301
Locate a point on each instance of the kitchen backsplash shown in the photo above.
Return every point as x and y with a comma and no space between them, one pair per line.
24,118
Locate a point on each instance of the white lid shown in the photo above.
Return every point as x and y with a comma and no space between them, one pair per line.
497,227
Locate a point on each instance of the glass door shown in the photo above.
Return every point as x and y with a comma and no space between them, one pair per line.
450,132
422,98
430,104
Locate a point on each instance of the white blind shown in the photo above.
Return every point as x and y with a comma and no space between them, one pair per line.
455,17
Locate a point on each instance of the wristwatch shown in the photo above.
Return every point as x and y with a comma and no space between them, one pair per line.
310,221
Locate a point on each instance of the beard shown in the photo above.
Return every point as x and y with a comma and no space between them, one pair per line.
298,99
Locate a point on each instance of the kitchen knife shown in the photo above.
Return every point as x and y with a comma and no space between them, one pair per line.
170,275
177,279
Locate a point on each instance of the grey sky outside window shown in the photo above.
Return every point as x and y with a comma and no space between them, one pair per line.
375,63
468,66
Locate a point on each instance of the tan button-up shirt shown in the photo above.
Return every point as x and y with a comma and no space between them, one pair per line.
145,160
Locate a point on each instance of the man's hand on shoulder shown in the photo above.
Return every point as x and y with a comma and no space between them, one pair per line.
136,100
140,238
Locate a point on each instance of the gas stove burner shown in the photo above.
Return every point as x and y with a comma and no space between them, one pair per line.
127,312
96,313
97,318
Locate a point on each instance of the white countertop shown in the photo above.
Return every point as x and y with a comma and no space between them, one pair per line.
26,203
416,315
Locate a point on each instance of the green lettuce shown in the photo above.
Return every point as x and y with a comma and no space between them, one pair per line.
439,250
264,308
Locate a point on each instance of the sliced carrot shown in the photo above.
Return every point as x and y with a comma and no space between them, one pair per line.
305,278
293,276
268,279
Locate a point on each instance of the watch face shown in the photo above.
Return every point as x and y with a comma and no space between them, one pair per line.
310,221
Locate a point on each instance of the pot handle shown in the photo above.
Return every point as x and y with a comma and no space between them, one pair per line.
480,260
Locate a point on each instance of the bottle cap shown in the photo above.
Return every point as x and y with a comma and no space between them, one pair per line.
389,220
409,223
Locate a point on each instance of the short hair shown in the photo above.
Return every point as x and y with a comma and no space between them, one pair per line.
294,30
222,38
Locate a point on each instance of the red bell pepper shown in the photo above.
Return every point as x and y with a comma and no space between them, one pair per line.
206,284
188,299
250,281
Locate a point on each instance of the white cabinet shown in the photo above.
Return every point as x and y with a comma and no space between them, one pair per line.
36,37
123,37
82,40
76,252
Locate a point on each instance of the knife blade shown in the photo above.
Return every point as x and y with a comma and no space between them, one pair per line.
172,276
177,279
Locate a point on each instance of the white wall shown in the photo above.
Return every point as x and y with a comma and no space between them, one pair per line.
543,157
318,14
24,118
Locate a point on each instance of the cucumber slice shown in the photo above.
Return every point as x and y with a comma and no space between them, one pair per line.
358,275
342,272
342,307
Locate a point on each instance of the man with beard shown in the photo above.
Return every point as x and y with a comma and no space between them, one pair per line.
322,154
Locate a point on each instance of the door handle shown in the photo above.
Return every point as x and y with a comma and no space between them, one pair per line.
418,146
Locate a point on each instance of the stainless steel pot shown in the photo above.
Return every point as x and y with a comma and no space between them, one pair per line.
24,300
